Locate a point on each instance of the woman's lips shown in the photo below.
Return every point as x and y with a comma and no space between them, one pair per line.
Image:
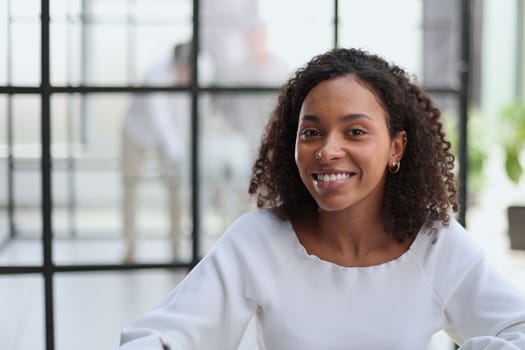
331,180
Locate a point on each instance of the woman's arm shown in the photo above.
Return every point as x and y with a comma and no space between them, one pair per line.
209,309
486,312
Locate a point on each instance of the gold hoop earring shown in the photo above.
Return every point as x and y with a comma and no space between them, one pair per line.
394,168
319,155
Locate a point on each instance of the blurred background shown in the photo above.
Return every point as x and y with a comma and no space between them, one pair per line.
128,129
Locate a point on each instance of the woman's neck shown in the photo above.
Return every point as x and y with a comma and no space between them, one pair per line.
347,238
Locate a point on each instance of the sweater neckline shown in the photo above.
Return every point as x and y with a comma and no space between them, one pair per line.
317,260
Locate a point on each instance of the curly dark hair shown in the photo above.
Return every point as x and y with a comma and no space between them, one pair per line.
422,191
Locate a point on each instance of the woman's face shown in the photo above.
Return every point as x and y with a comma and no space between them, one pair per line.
343,147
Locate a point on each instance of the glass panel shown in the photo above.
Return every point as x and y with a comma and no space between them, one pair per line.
61,9
106,57
314,21
100,141
3,125
111,44
27,197
249,41
400,41
25,56
25,8
86,179
26,126
22,316
115,9
441,43
67,42
67,135
4,181
66,53
4,217
166,11
3,41
27,155
25,247
119,297
19,42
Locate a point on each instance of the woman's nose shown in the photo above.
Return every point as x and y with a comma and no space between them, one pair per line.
330,150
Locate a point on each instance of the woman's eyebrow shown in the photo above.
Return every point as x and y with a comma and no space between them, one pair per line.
310,117
345,118
353,116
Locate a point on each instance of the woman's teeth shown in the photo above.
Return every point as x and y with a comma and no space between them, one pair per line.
332,177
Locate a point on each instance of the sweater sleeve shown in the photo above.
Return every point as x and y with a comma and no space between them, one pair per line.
209,309
486,312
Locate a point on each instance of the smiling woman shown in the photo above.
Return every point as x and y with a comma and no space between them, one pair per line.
343,150
354,244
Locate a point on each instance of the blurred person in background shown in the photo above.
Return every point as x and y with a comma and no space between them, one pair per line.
156,127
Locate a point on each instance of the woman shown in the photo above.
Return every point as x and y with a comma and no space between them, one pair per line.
353,246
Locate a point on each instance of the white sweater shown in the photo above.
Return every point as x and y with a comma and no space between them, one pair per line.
302,302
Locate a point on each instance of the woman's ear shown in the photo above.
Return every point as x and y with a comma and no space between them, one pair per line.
398,146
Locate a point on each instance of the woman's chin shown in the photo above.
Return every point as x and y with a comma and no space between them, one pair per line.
332,206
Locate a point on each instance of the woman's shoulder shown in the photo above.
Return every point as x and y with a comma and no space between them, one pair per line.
260,243
446,241
258,229
256,223
265,216
446,253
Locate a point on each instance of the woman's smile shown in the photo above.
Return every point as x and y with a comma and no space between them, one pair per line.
327,181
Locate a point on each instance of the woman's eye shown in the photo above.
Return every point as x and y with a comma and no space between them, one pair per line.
309,133
356,132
